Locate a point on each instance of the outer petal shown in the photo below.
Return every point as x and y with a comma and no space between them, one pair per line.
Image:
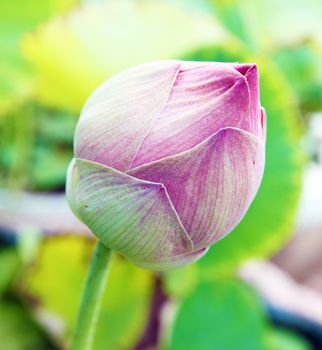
212,185
205,98
250,72
118,115
133,217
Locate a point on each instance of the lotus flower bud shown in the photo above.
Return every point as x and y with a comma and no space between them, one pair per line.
168,157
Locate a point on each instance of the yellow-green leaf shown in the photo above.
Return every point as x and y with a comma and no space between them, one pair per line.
73,54
18,17
56,282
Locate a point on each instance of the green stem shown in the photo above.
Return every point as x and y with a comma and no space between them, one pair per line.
91,298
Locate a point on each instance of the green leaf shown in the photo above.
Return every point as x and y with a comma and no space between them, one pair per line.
223,315
55,127
49,167
269,221
302,66
53,148
125,304
230,13
227,314
10,263
180,282
17,329
74,54
37,146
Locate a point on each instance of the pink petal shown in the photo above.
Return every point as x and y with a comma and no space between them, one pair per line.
250,72
212,185
118,115
133,217
205,98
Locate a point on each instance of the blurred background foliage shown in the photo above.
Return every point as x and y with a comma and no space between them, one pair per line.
53,54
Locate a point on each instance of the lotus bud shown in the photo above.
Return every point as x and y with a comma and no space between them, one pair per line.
169,156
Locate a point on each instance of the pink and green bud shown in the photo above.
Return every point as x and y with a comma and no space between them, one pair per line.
168,158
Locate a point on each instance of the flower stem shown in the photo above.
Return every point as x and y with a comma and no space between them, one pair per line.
91,298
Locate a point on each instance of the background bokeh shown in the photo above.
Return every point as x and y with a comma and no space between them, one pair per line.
53,54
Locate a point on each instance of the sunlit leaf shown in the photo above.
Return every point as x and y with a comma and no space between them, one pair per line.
267,21
73,54
18,17
56,281
268,24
